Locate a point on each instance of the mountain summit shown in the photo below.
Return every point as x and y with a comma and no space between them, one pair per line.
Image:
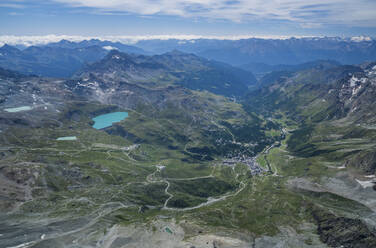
175,67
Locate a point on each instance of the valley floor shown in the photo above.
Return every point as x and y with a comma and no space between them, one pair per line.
115,188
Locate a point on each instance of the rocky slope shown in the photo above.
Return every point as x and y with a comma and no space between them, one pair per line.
321,93
173,68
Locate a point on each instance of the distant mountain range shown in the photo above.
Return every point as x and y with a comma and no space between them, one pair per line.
49,61
260,69
260,56
61,59
107,45
271,51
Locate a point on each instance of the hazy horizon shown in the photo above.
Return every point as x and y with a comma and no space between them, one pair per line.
45,39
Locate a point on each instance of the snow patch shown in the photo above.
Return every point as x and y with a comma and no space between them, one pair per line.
355,90
372,71
366,184
128,92
370,176
109,48
361,38
23,245
353,81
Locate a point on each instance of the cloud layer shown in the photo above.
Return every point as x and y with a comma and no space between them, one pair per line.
45,39
309,13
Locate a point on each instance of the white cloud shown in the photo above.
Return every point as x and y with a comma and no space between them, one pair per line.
12,5
45,39
314,12
15,14
360,38
311,25
36,40
109,48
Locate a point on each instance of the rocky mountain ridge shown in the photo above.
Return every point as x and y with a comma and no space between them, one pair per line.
173,68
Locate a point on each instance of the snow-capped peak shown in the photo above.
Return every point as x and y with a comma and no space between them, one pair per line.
361,38
109,48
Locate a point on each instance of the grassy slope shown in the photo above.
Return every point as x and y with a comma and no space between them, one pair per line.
77,177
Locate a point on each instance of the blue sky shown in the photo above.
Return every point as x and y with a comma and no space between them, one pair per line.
194,17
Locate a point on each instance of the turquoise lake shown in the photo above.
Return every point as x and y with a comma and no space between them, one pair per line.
67,138
106,120
14,110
